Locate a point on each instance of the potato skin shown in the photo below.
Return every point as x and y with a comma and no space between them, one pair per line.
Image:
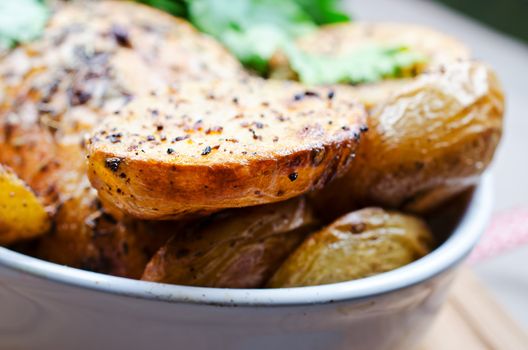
88,237
22,214
360,244
237,249
430,140
219,145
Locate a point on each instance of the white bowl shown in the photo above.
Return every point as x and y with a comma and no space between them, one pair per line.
48,306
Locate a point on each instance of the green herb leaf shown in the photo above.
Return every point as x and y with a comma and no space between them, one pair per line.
252,29
324,11
366,65
255,29
21,21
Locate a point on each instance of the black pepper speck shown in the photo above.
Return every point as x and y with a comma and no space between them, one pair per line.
113,163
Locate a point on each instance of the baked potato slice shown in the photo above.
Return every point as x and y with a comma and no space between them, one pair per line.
238,249
223,144
22,214
360,244
427,142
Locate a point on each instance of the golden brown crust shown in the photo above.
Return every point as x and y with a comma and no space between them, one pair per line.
360,244
219,145
236,249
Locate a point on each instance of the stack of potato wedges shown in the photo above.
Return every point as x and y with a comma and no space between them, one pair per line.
133,145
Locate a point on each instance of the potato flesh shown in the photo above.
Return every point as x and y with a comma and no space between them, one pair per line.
240,250
22,214
360,244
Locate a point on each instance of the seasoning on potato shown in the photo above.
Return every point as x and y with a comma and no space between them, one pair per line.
196,151
360,244
22,215
240,250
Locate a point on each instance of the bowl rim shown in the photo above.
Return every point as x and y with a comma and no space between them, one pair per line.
449,254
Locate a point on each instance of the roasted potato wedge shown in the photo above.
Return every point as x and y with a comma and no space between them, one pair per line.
93,58
22,214
430,140
222,144
238,249
360,244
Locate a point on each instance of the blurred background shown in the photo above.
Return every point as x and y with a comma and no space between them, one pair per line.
497,32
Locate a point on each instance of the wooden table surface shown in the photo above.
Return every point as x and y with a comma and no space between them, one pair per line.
472,320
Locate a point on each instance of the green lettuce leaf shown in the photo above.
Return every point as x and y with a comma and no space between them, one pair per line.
21,21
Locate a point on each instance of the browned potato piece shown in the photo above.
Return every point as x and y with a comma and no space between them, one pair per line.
431,139
86,236
222,144
240,249
93,58
22,214
360,244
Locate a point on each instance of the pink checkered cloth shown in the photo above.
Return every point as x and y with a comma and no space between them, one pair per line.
508,230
